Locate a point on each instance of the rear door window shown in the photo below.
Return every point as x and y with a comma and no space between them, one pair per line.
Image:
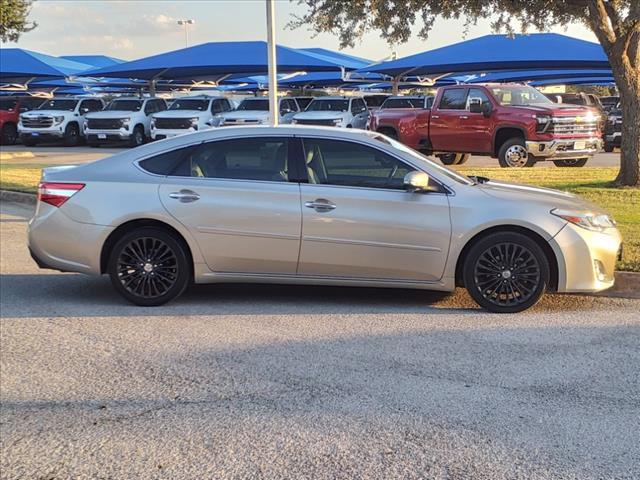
453,99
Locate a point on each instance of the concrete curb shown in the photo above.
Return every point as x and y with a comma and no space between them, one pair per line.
18,197
627,283
12,155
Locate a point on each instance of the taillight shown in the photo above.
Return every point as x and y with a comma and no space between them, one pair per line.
57,193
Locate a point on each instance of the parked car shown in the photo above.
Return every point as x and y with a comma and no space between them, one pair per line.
515,123
310,205
348,112
613,130
407,101
189,114
303,102
375,100
255,111
609,103
124,119
57,119
585,99
10,110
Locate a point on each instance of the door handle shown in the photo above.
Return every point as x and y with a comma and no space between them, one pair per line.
464,117
320,205
185,196
435,116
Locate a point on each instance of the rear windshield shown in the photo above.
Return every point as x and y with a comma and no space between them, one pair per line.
374,101
303,102
260,104
59,104
8,103
407,102
126,105
328,105
572,99
181,104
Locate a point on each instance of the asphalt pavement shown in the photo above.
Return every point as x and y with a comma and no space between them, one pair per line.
308,382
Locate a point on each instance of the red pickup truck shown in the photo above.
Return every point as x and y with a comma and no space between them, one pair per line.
10,110
515,123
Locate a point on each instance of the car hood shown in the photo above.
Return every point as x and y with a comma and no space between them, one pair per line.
556,109
529,194
180,114
111,114
46,113
320,115
247,114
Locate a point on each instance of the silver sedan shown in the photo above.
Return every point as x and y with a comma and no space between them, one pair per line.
313,205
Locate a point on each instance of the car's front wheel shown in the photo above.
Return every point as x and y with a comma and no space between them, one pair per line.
9,134
506,272
149,266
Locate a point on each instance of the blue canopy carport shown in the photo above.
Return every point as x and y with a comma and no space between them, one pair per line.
602,81
492,53
529,75
94,61
21,66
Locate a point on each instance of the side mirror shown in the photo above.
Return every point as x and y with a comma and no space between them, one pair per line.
475,105
416,182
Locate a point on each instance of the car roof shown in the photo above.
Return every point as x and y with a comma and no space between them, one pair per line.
335,97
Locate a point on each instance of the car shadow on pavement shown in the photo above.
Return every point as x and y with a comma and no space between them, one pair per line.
73,295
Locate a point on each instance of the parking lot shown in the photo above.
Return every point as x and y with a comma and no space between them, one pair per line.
308,382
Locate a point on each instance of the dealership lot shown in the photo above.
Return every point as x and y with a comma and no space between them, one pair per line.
308,382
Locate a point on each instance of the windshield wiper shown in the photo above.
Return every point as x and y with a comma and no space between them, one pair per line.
477,179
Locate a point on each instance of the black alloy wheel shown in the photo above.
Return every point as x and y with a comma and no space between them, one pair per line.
506,272
149,267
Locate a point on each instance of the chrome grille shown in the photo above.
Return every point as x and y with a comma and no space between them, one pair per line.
241,121
37,122
573,125
104,123
173,123
330,123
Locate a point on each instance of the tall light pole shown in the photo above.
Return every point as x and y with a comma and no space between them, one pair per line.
186,24
271,58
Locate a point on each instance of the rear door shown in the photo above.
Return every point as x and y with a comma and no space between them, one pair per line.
237,199
444,127
360,113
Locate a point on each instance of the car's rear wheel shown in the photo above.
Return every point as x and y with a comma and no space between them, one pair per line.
451,158
572,162
513,154
506,272
149,267
9,134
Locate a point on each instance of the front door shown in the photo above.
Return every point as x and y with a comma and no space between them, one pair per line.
476,132
236,199
359,222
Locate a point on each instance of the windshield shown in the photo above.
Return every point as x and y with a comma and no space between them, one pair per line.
261,104
572,98
519,96
59,104
180,104
328,105
126,105
453,175
8,104
406,102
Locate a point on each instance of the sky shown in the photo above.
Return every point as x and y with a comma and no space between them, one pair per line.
130,29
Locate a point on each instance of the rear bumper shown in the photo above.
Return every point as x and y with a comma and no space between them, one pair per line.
571,148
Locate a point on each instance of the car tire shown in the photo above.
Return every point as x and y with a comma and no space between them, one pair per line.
149,266
608,148
464,158
513,154
137,137
506,272
576,162
71,136
450,158
9,134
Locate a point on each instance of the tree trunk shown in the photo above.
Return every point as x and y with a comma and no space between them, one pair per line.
628,81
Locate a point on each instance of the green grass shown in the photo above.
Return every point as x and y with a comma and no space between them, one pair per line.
593,184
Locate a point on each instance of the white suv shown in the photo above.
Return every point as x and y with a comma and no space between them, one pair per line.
348,112
255,111
59,118
189,114
125,119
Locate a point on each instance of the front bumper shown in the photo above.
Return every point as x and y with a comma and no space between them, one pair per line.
96,135
160,133
614,139
570,148
586,259
50,132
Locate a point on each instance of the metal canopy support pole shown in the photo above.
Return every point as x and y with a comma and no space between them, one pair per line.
271,52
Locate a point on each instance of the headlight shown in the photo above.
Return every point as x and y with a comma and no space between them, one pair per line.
294,121
58,120
337,121
194,121
153,123
591,221
542,123
125,122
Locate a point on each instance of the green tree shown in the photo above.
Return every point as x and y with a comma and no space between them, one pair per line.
13,19
616,24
